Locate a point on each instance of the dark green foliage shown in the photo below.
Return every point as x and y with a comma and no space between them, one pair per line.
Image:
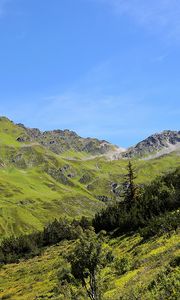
109,258
25,246
166,285
163,224
161,196
64,276
85,261
14,248
123,265
175,262
130,188
85,223
58,231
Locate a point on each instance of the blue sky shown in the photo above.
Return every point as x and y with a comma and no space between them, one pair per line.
105,68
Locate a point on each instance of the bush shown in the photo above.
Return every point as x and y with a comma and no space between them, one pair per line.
166,285
64,276
123,265
175,262
160,225
26,246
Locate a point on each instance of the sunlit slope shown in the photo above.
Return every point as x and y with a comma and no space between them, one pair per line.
37,185
150,273
30,198
9,132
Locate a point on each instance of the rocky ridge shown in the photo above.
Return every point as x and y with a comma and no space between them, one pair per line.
60,141
155,145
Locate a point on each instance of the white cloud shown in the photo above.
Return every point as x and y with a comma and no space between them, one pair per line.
156,15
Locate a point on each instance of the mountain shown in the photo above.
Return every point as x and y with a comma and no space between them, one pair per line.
155,145
54,174
60,141
64,141
39,182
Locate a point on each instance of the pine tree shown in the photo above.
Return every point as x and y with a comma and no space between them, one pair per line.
130,188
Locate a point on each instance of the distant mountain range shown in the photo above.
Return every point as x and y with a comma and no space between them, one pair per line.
60,141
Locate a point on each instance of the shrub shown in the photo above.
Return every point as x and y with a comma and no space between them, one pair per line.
163,224
26,246
64,275
123,265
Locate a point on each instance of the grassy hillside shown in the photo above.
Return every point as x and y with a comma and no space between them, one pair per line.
151,272
37,185
30,198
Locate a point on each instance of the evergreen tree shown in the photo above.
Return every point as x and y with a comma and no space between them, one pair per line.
130,188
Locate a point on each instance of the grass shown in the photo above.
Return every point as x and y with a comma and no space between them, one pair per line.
29,199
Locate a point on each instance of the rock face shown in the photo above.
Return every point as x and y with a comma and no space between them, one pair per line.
60,141
156,145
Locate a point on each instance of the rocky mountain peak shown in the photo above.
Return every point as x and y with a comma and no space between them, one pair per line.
164,142
60,141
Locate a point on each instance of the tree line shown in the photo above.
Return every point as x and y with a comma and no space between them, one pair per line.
25,246
140,204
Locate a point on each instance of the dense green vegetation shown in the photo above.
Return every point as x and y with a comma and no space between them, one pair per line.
92,262
139,269
24,246
127,248
141,204
86,260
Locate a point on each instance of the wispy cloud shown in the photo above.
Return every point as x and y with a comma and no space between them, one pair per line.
161,15
101,116
92,108
121,119
160,58
109,117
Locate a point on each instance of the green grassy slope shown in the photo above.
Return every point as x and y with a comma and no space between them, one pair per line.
32,192
148,263
9,132
30,198
36,185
